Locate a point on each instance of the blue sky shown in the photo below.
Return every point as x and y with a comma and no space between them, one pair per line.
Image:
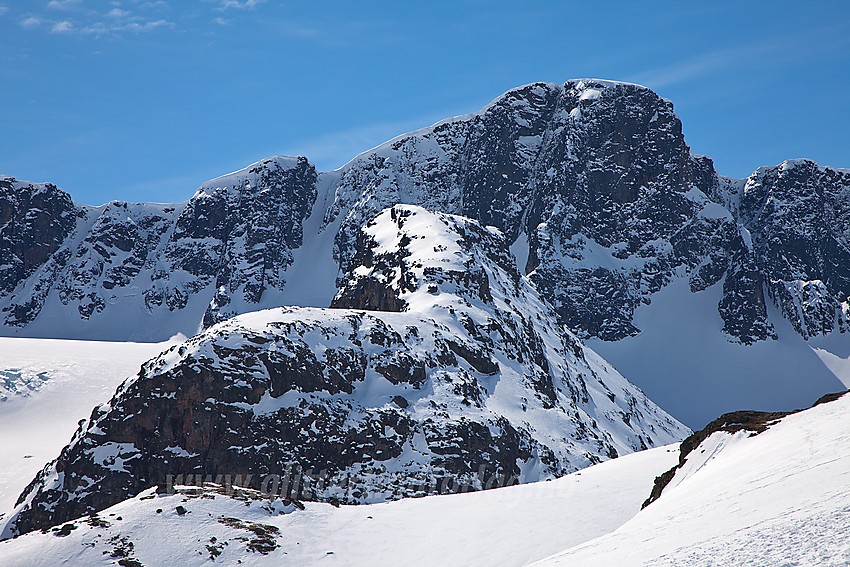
144,100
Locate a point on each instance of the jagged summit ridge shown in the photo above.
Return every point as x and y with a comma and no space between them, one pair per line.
591,179
171,268
564,169
252,175
472,374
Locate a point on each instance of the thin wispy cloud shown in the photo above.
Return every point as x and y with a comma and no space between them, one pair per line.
239,5
62,27
64,4
3,10
132,25
115,17
688,69
776,51
31,22
109,19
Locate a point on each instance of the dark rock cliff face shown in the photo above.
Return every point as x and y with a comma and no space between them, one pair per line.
473,380
35,220
596,178
799,216
231,242
121,246
591,181
255,222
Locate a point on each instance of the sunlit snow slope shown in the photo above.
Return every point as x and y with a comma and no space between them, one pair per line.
777,498
508,526
46,387
685,363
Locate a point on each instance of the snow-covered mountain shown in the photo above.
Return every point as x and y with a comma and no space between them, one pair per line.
125,271
439,363
418,322
611,217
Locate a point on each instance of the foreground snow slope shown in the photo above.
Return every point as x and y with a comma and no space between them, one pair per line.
506,526
46,387
776,498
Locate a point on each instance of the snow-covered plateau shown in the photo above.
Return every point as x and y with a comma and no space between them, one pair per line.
46,387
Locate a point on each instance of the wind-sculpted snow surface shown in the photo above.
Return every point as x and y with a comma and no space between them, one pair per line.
465,380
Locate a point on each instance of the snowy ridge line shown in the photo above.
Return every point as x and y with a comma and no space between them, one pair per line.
441,366
765,497
754,422
245,174
470,116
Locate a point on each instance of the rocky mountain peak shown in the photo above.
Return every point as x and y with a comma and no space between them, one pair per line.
409,256
798,214
593,179
35,219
